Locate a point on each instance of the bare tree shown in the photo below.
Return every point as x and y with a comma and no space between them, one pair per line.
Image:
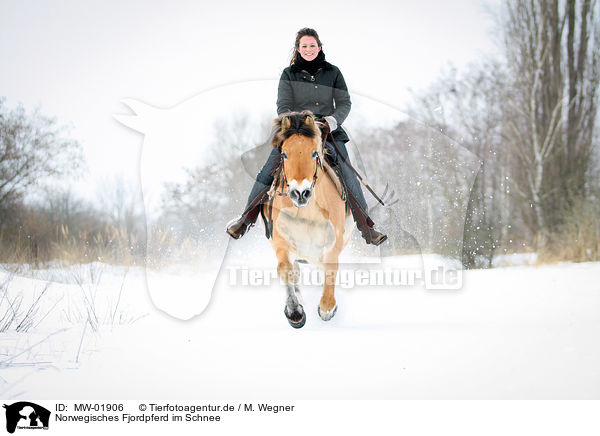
553,108
583,79
123,207
469,108
219,186
531,118
32,149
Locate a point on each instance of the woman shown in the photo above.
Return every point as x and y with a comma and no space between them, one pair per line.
311,83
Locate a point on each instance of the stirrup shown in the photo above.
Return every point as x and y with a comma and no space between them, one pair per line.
374,237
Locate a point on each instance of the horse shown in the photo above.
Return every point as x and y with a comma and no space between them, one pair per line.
309,217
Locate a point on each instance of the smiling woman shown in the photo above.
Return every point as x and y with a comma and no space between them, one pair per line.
312,84
308,47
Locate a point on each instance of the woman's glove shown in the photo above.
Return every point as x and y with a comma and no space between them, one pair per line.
332,122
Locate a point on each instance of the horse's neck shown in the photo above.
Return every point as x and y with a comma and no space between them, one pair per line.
328,173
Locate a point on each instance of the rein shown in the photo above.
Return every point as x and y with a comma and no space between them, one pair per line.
366,185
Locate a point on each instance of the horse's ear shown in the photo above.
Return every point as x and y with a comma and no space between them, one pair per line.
309,121
285,124
280,125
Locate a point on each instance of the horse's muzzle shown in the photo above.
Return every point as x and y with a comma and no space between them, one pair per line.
300,197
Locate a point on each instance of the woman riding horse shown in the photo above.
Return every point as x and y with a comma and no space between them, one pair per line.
311,83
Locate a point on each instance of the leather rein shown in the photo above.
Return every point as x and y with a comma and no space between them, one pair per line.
325,133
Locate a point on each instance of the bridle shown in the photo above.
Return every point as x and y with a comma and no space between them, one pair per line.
284,183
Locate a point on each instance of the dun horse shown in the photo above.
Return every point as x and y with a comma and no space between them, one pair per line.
310,221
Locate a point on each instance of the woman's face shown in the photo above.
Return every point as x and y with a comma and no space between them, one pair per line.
309,49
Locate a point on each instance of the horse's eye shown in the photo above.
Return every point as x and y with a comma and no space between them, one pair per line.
314,155
284,155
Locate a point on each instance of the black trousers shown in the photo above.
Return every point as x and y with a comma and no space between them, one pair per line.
265,178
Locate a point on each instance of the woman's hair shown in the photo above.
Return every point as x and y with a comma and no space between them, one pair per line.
306,31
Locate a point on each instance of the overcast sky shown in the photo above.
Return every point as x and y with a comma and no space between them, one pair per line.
78,59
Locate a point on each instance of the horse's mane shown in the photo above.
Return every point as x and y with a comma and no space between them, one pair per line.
297,125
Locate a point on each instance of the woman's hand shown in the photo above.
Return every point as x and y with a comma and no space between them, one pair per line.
331,121
324,126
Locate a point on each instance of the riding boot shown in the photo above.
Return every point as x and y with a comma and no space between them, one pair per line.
238,227
355,198
364,222
259,193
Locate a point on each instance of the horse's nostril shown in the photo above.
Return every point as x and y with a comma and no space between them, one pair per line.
300,197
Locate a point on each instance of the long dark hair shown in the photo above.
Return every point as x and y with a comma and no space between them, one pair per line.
306,31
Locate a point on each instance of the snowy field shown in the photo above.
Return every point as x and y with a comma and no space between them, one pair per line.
513,332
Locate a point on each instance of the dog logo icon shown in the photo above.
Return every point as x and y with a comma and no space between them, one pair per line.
25,415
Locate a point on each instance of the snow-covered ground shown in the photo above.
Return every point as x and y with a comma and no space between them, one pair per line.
519,332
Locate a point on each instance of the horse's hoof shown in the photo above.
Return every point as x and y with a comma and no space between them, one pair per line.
298,320
326,316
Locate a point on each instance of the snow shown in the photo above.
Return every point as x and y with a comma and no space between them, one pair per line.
512,332
515,259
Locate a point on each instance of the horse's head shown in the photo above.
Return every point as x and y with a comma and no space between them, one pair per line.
298,137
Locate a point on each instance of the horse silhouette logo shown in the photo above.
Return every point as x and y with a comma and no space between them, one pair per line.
26,415
431,173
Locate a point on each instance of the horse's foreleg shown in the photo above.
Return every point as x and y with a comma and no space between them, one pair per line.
294,311
327,305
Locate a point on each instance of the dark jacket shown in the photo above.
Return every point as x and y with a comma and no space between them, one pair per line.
324,94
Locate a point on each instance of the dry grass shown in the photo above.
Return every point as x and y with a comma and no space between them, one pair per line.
111,245
17,316
579,237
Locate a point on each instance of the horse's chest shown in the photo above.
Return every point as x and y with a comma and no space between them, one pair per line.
308,237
